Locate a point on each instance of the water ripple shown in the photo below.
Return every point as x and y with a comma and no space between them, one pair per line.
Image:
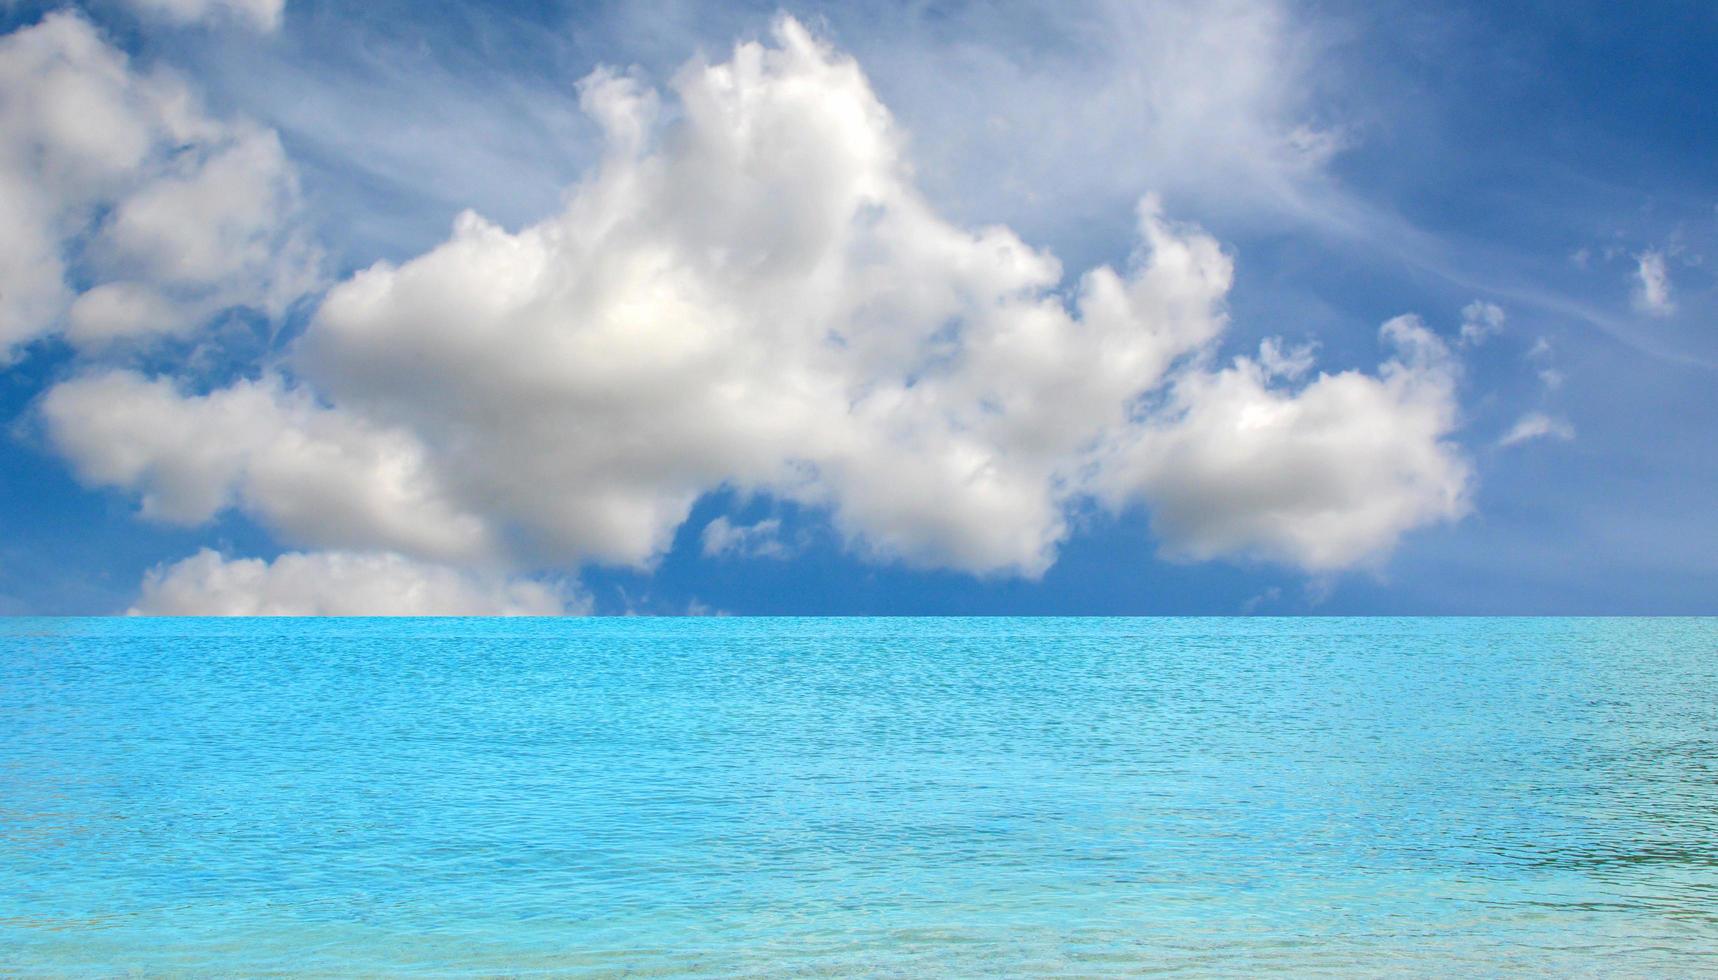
881,797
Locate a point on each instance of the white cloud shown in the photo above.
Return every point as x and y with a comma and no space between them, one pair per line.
1479,321
317,475
116,180
1324,477
262,15
1537,425
754,294
1540,352
1289,364
751,293
341,584
761,540
1652,289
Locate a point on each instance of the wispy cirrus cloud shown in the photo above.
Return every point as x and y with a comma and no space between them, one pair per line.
262,15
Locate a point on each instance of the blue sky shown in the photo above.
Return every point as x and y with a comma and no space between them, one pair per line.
815,334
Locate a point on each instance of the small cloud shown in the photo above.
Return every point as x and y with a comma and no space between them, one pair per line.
344,583
1549,376
760,540
1537,425
1289,364
1652,292
1317,146
1270,595
1581,258
1480,320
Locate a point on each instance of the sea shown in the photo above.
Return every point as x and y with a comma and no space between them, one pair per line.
858,797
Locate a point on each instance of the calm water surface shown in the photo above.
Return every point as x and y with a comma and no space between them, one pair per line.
882,797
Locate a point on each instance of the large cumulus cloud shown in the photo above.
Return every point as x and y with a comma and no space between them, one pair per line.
755,295
749,292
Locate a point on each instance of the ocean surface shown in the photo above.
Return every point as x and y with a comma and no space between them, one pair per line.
880,797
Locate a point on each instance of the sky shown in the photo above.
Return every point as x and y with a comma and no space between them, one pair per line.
662,307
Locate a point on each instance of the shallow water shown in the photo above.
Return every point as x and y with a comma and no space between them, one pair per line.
877,796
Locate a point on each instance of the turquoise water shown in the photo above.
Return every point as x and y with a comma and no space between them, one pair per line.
859,796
